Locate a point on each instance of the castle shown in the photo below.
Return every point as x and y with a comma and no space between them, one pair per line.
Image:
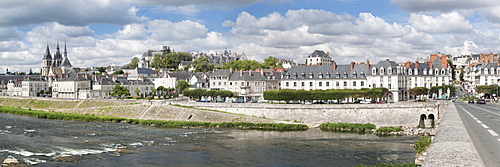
57,64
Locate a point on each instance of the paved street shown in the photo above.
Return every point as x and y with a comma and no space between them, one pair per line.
483,125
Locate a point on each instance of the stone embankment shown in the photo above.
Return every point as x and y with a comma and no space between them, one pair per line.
452,145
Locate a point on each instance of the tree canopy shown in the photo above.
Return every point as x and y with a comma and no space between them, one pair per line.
118,91
134,62
242,64
169,59
271,62
202,64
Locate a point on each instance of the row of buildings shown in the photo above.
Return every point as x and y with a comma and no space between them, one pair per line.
320,72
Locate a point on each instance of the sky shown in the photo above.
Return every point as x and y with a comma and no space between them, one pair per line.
111,32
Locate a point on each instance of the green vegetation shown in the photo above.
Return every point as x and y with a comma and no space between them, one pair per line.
169,58
157,123
120,91
198,93
422,144
203,64
347,127
134,63
390,165
387,130
332,94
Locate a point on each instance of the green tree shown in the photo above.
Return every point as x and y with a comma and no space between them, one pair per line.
137,91
173,59
166,50
119,72
419,91
202,64
450,63
461,74
119,91
134,62
159,61
271,62
181,85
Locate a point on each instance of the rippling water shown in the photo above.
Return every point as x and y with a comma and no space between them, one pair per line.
39,142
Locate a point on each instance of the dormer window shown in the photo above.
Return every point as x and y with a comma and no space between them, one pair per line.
425,72
354,74
382,72
389,71
311,75
346,75
338,75
295,75
374,71
362,75
303,75
320,75
327,74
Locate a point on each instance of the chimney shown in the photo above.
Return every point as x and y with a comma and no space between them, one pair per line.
444,61
367,64
280,69
241,73
416,64
430,65
433,57
328,53
77,76
352,65
231,70
408,64
250,72
498,62
334,64
262,71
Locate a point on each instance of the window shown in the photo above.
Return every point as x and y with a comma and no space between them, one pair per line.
362,83
303,84
327,83
345,83
337,84
294,84
311,75
230,83
310,83
286,84
242,84
354,74
320,84
337,75
362,75
345,75
353,83
320,75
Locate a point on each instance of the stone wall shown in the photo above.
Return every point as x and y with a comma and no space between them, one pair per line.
394,114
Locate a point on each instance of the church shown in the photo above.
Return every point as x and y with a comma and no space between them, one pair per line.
58,64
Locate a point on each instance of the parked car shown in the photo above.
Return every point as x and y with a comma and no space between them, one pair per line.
481,101
471,101
365,102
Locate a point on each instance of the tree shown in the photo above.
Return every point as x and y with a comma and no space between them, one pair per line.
158,61
450,63
137,91
461,74
271,62
202,64
242,65
173,59
134,63
119,91
419,91
166,50
119,72
31,72
181,85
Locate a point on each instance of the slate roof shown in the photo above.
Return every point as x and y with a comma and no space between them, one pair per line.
180,75
66,62
318,53
326,71
47,54
256,76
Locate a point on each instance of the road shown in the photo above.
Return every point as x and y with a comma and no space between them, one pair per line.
482,122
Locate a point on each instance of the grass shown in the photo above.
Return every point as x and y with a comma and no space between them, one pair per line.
347,127
387,130
422,143
157,123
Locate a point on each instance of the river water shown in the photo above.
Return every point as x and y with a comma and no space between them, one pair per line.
39,141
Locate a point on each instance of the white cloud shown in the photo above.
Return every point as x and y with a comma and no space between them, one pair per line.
445,23
132,31
247,24
164,30
206,4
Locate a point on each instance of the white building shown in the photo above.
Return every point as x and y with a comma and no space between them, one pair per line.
319,57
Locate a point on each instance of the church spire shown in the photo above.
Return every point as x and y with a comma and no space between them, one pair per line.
65,52
47,53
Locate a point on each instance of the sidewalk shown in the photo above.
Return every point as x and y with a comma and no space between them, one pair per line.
452,145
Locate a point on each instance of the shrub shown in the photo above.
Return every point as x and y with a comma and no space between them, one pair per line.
347,127
422,144
387,130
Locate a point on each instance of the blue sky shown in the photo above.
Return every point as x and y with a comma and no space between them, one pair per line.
111,32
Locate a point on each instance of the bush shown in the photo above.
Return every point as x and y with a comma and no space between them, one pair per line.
347,127
157,123
422,144
387,130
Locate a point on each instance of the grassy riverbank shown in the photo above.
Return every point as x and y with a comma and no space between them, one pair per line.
157,123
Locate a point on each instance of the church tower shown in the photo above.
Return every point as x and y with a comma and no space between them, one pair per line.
66,64
46,61
57,57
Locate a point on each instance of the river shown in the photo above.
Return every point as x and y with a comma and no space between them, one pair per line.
39,141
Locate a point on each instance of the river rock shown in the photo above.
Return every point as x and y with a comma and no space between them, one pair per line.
10,161
122,151
69,158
